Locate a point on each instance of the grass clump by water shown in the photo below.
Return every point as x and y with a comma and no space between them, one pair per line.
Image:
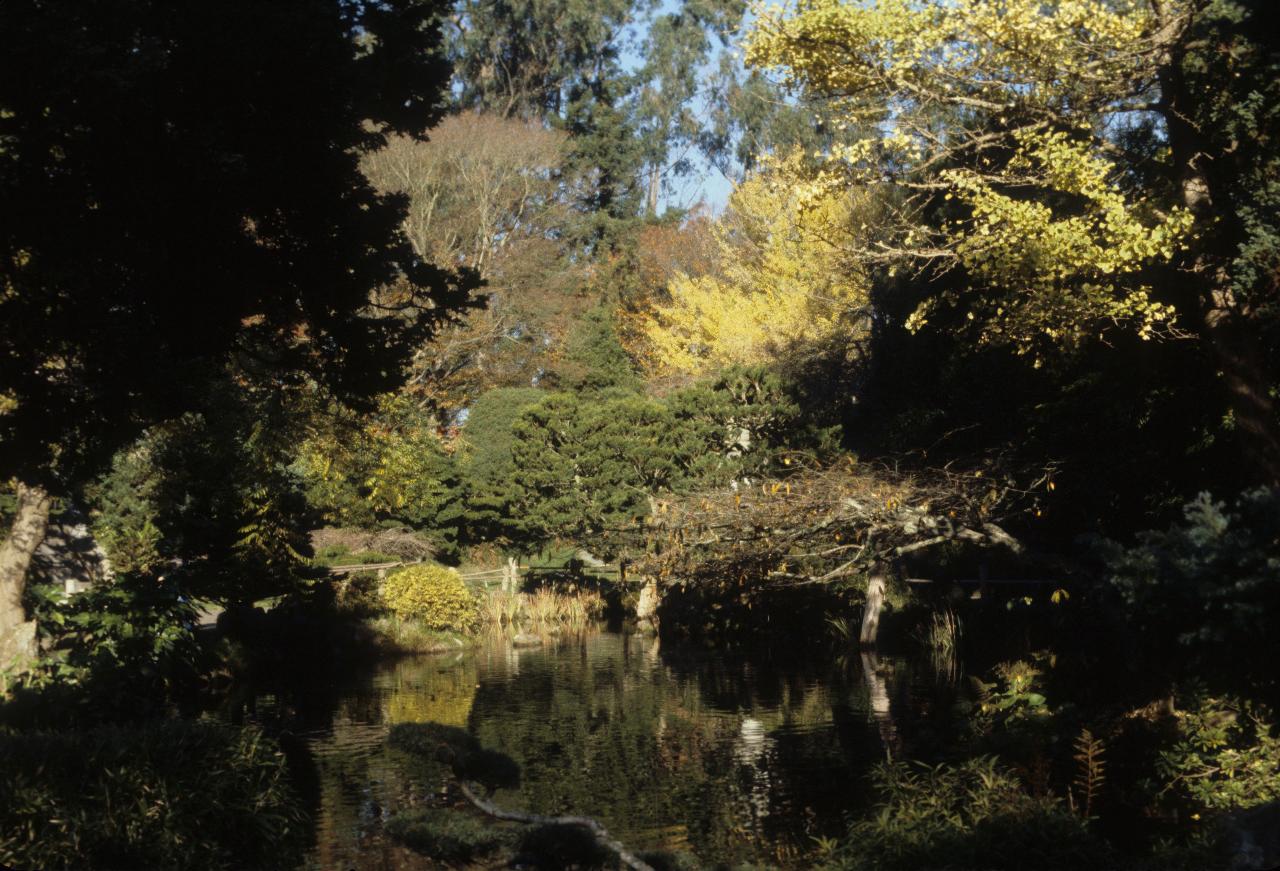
940,636
444,834
170,794
544,609
398,635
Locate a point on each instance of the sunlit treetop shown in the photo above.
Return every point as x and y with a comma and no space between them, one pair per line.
1007,109
781,280
1063,271
1071,54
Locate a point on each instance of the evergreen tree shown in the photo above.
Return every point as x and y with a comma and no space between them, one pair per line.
595,360
489,470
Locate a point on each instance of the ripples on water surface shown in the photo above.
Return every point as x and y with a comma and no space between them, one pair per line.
726,759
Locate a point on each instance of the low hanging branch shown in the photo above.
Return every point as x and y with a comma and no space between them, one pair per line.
469,762
820,525
601,835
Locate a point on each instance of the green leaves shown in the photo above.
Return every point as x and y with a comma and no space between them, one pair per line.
173,793
1226,755
587,467
1208,587
388,467
974,814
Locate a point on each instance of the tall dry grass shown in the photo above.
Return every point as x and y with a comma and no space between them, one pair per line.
542,610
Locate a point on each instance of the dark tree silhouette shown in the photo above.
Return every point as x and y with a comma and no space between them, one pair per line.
182,192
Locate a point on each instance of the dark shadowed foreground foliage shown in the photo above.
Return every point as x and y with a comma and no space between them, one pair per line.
170,794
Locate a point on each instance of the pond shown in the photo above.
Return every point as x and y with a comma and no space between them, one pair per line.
727,759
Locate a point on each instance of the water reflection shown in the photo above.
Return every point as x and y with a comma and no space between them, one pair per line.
728,759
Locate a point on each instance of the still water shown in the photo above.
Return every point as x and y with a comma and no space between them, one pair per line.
726,759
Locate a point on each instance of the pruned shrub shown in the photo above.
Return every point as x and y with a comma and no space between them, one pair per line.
433,595
170,794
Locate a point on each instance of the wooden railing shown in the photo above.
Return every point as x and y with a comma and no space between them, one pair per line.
366,567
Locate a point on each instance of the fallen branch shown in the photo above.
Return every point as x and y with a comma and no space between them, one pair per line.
602,836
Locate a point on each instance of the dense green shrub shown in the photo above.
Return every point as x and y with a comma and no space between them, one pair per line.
966,816
121,650
433,595
390,467
1225,756
208,498
586,464
359,594
1206,593
171,794
489,467
125,509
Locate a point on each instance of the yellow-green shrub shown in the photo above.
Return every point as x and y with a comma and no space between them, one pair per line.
433,595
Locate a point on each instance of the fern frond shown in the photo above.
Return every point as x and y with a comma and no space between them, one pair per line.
1090,771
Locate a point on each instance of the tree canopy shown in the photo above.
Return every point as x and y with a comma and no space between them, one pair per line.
1053,169
182,192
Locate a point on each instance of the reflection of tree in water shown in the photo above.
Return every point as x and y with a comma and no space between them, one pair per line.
720,759
751,750
361,782
880,702
731,758
432,690
351,781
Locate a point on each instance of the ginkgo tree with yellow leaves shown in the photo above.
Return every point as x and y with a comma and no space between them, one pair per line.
1002,107
782,280
1067,168
1060,273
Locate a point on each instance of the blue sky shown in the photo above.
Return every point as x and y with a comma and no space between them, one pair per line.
706,184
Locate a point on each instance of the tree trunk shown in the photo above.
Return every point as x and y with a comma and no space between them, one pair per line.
871,612
511,575
655,186
17,636
1234,342
1229,329
647,606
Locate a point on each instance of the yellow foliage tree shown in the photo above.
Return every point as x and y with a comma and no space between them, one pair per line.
781,280
1061,272
1006,107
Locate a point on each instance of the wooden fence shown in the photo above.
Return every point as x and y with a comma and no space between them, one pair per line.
486,578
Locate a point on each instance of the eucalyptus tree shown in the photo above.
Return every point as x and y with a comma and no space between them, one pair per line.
524,59
669,82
